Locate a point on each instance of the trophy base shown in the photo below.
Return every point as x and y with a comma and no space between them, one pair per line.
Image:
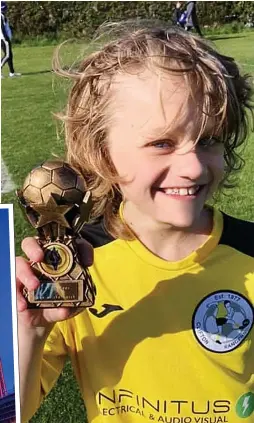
62,293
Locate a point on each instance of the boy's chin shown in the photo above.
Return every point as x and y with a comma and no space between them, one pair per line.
182,221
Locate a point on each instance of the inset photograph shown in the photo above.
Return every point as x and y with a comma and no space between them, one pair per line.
9,398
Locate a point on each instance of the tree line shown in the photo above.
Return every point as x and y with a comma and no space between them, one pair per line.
82,18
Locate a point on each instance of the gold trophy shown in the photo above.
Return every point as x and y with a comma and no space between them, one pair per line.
57,204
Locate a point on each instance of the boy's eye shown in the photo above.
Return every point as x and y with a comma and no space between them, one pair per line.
209,141
163,145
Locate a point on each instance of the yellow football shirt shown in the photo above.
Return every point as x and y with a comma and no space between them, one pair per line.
168,342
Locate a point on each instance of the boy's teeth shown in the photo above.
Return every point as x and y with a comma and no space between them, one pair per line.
192,190
182,191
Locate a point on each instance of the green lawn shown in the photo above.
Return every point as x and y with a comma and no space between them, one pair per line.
29,136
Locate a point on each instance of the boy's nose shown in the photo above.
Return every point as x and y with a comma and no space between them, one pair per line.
190,165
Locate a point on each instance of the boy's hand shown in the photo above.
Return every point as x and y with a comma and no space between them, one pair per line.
25,277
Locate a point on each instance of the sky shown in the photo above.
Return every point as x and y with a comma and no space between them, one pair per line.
6,340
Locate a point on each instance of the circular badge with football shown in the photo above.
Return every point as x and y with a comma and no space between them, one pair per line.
222,321
58,260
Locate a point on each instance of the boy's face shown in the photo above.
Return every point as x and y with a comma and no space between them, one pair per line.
150,117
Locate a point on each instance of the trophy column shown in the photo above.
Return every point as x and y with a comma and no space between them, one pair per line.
56,204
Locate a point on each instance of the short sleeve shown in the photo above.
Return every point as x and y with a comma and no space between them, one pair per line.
54,357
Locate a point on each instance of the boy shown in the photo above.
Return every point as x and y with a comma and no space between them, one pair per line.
152,122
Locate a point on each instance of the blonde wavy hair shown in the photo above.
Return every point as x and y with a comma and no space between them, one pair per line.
226,96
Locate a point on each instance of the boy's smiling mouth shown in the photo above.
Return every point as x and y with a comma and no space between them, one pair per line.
190,191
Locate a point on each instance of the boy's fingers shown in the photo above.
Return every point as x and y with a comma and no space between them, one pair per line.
25,275
85,252
32,249
21,302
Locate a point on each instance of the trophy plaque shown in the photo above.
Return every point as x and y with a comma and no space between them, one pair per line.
56,203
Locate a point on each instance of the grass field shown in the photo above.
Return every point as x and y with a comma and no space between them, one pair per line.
29,137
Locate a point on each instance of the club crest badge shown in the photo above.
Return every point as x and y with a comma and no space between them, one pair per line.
222,321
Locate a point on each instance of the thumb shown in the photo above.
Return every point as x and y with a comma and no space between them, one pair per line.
85,252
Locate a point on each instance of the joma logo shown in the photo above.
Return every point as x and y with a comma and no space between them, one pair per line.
107,308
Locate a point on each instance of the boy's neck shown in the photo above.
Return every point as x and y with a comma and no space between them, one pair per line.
167,242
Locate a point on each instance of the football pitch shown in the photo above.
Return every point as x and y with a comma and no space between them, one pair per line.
30,136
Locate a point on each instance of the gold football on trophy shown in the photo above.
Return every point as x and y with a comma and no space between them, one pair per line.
53,177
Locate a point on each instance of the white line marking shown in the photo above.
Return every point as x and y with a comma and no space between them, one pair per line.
7,183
